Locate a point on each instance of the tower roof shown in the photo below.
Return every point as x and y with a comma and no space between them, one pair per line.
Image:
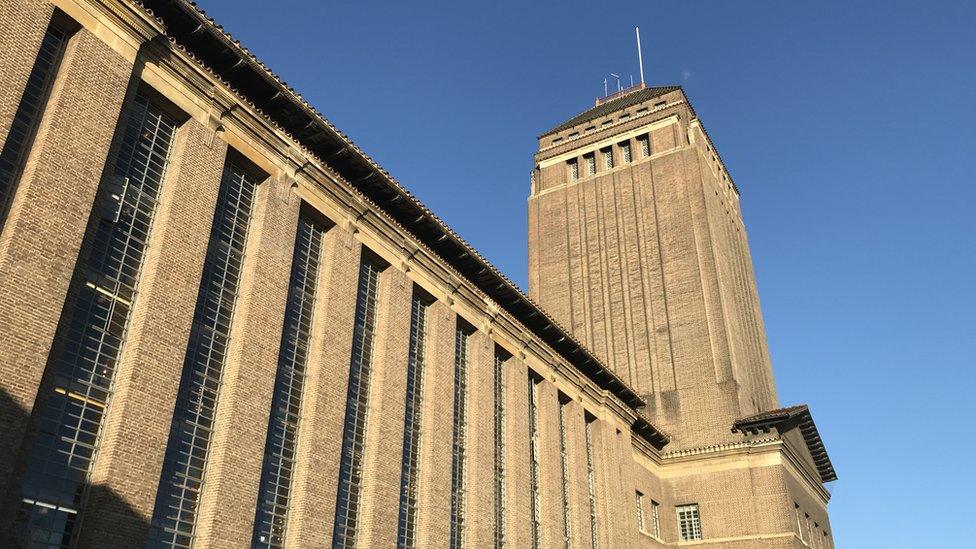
606,107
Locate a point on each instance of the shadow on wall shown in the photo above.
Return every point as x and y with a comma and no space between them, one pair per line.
129,528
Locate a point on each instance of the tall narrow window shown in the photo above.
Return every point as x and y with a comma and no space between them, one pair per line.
799,523
499,383
591,479
416,359
564,455
573,167
625,151
27,117
645,145
346,524
459,436
184,464
274,490
80,371
590,164
655,519
608,157
689,523
534,458
640,511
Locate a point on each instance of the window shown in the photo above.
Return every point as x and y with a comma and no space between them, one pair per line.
274,489
187,450
640,511
499,383
27,117
460,432
625,151
799,523
689,524
573,170
534,458
655,519
564,455
88,342
590,478
608,157
590,164
645,145
346,524
416,359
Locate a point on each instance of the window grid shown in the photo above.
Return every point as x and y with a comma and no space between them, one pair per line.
407,520
626,152
590,164
534,459
499,450
574,173
27,117
655,519
346,524
274,492
608,157
645,144
689,523
459,436
564,455
184,465
80,372
640,511
591,482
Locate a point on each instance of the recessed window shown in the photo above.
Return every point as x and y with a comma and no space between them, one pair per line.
574,134
608,157
624,116
589,129
640,511
573,167
557,140
689,523
607,122
590,164
655,519
625,151
642,109
645,145
660,104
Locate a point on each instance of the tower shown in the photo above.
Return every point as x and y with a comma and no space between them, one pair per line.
637,246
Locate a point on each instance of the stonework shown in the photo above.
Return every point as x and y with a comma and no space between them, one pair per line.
646,354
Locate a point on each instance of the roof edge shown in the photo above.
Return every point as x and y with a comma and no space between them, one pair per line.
786,419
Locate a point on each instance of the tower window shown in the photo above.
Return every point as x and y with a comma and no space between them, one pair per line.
459,436
534,458
591,478
590,164
608,157
640,511
625,151
573,166
645,145
499,448
655,519
689,523
564,455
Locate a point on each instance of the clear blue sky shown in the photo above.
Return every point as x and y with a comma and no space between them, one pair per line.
848,128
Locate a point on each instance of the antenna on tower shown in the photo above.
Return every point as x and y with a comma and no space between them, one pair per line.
617,76
640,58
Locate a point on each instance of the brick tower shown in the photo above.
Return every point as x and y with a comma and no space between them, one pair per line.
637,246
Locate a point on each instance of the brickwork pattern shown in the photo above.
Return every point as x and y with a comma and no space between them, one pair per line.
137,425
43,233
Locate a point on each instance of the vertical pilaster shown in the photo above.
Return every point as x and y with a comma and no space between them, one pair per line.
43,232
387,400
479,518
327,376
518,488
550,467
125,474
434,486
23,23
229,498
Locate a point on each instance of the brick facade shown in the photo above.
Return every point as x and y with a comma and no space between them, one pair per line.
647,265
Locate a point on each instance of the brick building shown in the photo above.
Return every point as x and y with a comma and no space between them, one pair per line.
224,325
